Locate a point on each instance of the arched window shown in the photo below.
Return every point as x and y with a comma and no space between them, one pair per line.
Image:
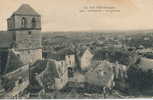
24,22
33,23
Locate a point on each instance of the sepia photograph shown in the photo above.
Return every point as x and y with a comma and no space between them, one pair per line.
76,49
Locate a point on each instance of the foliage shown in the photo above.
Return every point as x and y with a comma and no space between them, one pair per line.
140,79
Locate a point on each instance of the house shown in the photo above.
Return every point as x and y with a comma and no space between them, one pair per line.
101,75
64,58
59,58
85,56
107,74
119,70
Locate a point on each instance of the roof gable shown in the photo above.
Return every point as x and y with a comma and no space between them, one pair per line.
99,55
25,9
84,50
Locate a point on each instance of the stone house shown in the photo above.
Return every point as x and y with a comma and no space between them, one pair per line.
85,58
64,58
107,74
101,75
119,71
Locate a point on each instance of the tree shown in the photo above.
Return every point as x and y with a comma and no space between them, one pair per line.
139,79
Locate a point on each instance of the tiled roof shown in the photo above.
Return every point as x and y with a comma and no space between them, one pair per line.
25,9
82,50
56,56
61,54
6,39
100,55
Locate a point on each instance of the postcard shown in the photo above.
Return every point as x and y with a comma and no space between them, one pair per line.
76,49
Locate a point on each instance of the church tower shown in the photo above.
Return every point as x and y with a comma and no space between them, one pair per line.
25,26
24,18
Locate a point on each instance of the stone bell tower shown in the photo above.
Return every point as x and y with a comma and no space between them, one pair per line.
25,26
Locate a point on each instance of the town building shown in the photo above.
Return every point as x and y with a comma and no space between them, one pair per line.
64,58
107,74
84,57
101,75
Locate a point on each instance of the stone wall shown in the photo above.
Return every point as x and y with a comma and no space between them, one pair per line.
20,58
30,56
13,61
28,39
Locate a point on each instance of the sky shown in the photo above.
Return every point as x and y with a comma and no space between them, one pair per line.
72,15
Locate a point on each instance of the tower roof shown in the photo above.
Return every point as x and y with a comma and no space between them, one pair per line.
26,9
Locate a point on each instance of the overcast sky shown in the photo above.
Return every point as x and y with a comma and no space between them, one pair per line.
65,15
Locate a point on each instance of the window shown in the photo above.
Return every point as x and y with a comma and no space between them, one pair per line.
29,33
23,22
105,73
70,72
70,62
20,81
33,23
62,63
18,55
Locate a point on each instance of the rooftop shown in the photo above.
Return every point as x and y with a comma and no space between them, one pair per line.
61,54
82,50
25,9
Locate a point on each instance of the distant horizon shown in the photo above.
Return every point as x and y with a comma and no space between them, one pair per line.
102,30
132,30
